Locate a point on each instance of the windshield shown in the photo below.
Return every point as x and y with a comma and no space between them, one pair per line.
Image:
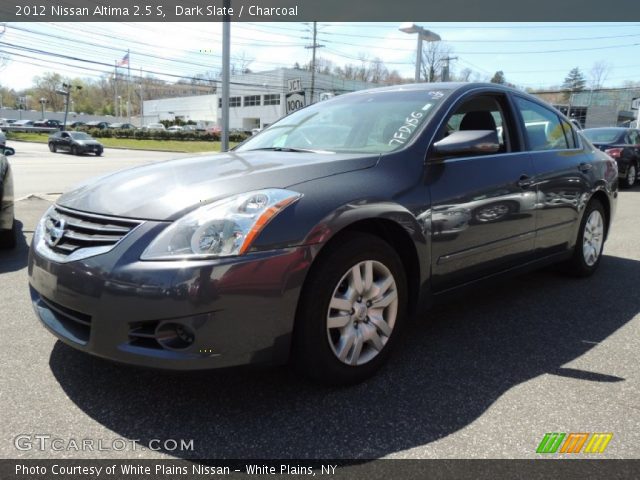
80,136
602,135
371,122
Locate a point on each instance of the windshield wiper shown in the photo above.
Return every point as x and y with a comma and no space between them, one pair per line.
289,149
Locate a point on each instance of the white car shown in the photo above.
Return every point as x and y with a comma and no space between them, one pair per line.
155,126
175,128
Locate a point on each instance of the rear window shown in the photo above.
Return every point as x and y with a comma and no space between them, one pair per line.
602,135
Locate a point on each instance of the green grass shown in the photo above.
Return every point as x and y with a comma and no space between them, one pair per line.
188,146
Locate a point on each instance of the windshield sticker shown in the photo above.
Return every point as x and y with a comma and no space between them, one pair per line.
427,107
436,94
406,129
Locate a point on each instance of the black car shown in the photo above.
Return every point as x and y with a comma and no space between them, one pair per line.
622,144
313,241
7,216
47,123
76,143
96,124
122,126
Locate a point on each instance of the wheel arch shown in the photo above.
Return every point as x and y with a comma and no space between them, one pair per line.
399,228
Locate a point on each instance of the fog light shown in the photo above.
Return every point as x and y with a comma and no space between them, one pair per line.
174,336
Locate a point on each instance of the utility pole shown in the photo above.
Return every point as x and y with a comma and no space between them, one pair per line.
314,46
445,68
226,56
115,90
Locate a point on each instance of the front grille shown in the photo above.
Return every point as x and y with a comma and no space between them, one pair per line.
66,231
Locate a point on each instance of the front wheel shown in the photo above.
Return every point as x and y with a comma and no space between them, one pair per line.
351,311
52,148
98,153
590,242
74,150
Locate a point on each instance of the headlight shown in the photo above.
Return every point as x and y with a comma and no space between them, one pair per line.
220,229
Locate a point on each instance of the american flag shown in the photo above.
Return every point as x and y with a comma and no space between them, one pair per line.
124,61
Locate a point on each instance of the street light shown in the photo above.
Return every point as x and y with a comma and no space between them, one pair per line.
42,102
423,34
66,93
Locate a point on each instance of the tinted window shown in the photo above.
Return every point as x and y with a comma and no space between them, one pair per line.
603,135
542,127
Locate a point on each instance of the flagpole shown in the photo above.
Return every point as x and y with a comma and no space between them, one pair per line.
115,90
129,85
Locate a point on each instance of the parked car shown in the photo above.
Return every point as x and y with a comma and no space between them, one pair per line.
189,128
123,126
22,123
76,143
76,124
175,128
622,144
313,241
155,126
96,124
47,123
213,129
7,214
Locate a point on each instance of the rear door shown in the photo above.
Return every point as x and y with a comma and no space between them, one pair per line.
482,215
562,173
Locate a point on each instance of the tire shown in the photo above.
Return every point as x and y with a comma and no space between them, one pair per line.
588,253
52,148
357,342
98,153
8,237
631,176
74,150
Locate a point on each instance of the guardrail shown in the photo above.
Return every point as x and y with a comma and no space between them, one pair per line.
21,128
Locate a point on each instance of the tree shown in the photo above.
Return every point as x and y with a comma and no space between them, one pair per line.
498,77
435,55
574,81
598,73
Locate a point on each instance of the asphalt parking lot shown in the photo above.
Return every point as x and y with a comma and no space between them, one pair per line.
482,377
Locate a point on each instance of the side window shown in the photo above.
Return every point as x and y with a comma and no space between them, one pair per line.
634,138
569,134
480,113
542,127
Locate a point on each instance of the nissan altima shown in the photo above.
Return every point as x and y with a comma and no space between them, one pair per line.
314,241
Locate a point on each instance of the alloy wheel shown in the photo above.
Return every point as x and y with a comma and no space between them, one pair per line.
632,174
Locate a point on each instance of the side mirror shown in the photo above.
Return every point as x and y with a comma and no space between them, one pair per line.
468,142
8,151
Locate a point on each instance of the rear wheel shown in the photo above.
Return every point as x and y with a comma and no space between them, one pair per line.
588,250
632,175
52,148
98,153
74,150
351,311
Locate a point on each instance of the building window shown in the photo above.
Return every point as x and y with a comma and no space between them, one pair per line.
272,99
233,102
252,100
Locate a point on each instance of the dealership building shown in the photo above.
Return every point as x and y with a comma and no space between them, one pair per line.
256,100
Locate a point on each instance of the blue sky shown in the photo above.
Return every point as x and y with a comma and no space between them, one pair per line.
535,55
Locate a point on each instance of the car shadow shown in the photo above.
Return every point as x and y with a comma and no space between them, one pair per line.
447,373
14,259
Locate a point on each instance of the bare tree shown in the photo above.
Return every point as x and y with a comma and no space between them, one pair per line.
598,74
435,55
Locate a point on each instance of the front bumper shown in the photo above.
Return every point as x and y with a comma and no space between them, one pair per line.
236,311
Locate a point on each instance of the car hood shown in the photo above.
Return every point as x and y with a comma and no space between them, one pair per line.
167,190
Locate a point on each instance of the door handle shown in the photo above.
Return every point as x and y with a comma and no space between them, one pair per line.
525,181
585,167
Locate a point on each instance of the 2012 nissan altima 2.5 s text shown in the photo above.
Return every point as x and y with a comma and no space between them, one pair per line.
313,241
